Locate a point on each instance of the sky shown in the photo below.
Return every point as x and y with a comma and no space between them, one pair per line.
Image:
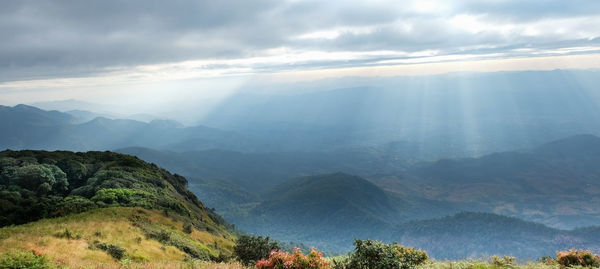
152,50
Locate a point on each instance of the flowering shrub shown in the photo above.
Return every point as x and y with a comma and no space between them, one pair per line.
575,257
296,260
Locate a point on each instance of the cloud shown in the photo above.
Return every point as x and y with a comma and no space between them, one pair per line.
69,38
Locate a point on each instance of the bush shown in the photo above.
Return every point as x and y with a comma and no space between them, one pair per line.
371,254
67,234
187,228
114,251
503,262
580,257
250,249
297,260
22,260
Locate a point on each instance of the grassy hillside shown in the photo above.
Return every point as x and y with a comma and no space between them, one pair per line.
73,240
77,208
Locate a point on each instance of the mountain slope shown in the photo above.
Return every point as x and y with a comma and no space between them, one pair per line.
556,183
72,241
27,127
475,235
326,211
128,198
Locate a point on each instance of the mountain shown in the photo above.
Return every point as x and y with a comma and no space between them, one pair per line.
29,127
556,183
82,208
328,211
258,171
445,116
312,209
475,235
32,128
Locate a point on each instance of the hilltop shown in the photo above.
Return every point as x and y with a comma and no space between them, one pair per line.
104,207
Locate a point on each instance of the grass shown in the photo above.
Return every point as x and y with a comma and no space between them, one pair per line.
69,241
480,264
72,242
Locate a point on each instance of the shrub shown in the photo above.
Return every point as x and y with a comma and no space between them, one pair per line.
374,254
22,260
114,251
249,249
575,257
503,262
297,260
67,234
110,196
187,228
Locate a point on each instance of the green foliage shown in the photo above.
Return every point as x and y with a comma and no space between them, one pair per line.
114,251
249,249
67,234
24,260
503,262
575,257
187,228
113,196
40,184
371,254
174,238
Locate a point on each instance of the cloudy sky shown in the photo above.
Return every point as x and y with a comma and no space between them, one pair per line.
57,49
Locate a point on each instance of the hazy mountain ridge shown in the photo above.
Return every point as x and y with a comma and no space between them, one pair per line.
32,128
552,183
446,116
328,210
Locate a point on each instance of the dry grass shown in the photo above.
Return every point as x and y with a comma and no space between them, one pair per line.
108,225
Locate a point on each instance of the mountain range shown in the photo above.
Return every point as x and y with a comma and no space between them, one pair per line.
373,190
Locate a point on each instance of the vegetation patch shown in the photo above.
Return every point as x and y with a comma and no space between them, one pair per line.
375,254
249,249
575,257
172,237
114,251
22,260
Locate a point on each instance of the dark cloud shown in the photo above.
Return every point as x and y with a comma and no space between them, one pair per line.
78,38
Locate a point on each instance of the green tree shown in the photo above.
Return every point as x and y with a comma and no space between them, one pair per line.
250,249
370,254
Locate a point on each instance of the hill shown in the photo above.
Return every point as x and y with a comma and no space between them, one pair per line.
104,201
28,127
258,171
555,183
475,235
326,211
446,116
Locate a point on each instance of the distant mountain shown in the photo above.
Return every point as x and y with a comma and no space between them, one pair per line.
476,235
24,114
258,171
446,116
557,183
28,127
327,211
313,209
